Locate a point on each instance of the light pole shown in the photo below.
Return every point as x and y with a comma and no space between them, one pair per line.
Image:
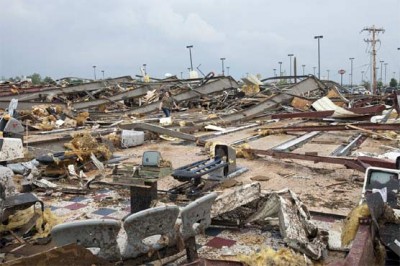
351,72
314,70
341,72
181,74
94,72
328,73
398,81
102,73
319,55
190,54
222,63
385,71
274,72
381,61
290,69
144,69
303,68
280,69
227,68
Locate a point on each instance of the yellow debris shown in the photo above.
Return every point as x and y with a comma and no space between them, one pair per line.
83,144
81,118
18,219
250,89
210,146
391,134
114,138
6,117
44,223
211,116
268,256
350,227
300,103
240,153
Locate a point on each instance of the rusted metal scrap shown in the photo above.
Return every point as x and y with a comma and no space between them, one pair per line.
71,254
367,125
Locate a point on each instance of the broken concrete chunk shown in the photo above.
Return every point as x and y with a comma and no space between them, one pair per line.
6,181
231,200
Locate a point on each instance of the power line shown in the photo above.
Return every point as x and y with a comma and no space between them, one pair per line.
373,31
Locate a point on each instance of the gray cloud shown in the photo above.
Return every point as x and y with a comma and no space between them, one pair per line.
65,38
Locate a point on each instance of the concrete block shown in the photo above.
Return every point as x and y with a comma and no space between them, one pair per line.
131,138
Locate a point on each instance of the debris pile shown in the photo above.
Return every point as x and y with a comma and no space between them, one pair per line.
286,164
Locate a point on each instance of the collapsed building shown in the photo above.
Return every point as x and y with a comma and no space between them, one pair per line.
245,173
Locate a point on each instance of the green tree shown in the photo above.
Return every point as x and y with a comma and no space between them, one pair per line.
48,80
393,83
36,78
77,81
380,84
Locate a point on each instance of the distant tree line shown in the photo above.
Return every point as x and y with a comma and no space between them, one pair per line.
38,80
35,78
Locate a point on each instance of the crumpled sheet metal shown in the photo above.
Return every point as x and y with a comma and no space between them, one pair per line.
325,104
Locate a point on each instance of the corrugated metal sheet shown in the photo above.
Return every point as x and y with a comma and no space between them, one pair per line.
325,104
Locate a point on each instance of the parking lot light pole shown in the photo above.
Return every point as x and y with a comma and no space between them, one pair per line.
319,55
290,64
190,54
351,72
94,72
222,63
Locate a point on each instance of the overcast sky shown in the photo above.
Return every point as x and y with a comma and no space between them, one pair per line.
61,38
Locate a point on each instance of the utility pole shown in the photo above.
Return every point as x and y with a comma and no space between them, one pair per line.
373,40
303,68
103,73
274,72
